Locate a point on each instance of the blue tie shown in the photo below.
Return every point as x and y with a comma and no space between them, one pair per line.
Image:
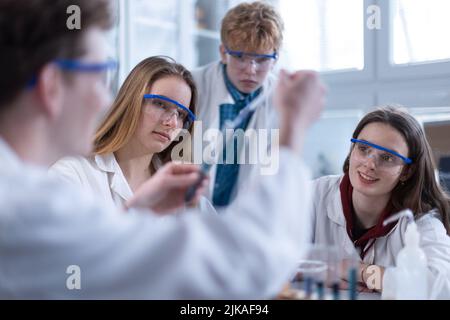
227,174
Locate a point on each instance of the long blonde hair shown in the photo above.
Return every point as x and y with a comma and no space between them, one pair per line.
122,120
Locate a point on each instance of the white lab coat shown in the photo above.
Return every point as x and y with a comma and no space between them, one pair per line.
329,228
212,92
102,176
47,226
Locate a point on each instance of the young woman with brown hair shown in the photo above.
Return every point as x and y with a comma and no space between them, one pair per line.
389,169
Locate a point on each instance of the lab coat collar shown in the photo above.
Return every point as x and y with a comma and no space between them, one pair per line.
8,158
213,82
106,162
118,183
335,211
220,88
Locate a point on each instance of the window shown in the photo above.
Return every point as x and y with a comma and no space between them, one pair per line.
113,47
419,31
328,141
208,15
186,30
406,61
208,18
325,35
153,29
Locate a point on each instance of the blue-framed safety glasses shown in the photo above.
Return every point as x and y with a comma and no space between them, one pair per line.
107,68
389,158
262,61
167,108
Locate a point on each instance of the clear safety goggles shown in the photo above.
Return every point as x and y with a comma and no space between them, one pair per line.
242,59
384,158
167,108
106,69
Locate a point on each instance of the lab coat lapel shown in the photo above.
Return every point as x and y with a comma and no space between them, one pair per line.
219,95
118,183
335,214
8,159
120,186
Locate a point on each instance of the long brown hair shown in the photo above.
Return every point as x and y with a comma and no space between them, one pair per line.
122,120
420,192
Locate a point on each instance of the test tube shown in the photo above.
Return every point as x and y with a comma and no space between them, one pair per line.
308,286
320,287
311,273
319,254
352,272
335,291
334,273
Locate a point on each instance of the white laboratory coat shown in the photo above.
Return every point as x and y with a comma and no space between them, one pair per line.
47,226
329,228
102,176
212,92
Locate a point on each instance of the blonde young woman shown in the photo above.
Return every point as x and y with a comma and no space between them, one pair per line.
139,134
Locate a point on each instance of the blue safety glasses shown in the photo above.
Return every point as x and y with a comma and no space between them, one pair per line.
167,108
78,66
242,59
386,159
